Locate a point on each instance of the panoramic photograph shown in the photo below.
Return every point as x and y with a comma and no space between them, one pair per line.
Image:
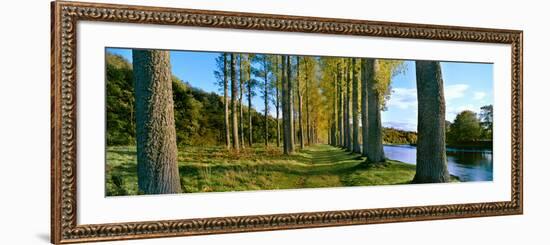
194,121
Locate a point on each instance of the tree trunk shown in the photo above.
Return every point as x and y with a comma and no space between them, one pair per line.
355,105
234,92
277,103
299,90
157,152
364,108
315,140
249,83
345,112
375,150
296,128
241,88
349,145
226,101
294,99
334,114
266,101
431,160
290,100
330,140
340,106
308,125
286,127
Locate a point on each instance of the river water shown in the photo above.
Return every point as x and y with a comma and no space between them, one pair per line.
468,165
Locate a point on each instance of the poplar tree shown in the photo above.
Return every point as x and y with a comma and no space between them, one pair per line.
157,152
431,160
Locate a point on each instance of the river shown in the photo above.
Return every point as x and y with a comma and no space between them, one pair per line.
468,165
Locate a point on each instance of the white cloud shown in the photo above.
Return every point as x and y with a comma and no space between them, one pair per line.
455,91
403,98
479,95
451,112
406,98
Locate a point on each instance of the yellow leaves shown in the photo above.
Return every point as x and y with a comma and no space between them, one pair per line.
386,70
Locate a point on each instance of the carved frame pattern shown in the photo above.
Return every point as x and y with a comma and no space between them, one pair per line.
65,15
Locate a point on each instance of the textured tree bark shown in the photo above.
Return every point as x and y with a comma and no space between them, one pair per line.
364,108
226,101
375,150
286,127
299,91
234,94
290,105
431,160
355,106
157,152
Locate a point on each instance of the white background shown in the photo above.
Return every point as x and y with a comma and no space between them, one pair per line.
94,208
25,108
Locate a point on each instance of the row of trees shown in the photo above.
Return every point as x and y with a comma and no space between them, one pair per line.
200,121
288,84
240,73
357,91
360,89
354,91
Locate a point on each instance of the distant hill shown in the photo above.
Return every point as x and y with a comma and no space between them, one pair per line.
397,136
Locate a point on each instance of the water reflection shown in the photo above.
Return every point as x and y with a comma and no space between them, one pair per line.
468,165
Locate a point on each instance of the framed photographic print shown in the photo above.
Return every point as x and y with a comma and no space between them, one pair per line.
174,122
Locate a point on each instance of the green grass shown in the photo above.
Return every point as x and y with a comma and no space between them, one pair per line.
214,169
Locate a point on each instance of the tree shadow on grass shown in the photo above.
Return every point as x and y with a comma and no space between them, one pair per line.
318,162
327,155
315,160
131,153
125,169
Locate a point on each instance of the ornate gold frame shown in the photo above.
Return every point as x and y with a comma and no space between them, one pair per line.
65,15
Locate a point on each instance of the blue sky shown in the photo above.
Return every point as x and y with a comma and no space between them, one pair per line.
468,86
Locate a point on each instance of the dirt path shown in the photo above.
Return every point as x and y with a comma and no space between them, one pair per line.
325,154
328,165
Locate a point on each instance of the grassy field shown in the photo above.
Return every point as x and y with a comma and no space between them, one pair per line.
214,169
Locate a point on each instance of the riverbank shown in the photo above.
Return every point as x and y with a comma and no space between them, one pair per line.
466,164
476,145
